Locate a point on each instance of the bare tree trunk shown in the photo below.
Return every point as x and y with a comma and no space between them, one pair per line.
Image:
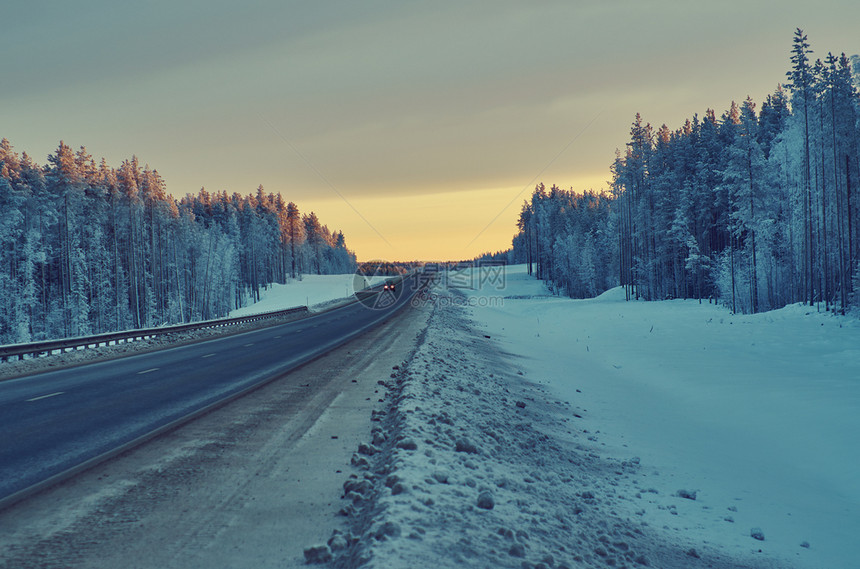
850,275
754,285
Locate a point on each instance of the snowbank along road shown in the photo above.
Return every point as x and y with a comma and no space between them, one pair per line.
535,431
472,464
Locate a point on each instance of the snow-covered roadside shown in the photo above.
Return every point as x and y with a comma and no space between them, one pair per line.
314,291
757,414
474,465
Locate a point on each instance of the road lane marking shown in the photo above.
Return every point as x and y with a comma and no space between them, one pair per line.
248,345
148,371
46,396
207,356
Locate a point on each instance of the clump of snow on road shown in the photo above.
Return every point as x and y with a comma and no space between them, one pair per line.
477,461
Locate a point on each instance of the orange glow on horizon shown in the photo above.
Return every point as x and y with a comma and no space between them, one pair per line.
435,226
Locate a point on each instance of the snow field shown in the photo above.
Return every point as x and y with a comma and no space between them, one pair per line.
313,291
472,465
758,414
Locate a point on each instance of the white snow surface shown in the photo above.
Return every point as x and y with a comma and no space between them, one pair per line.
534,431
311,291
760,414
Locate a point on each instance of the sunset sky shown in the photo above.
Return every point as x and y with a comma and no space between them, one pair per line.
417,128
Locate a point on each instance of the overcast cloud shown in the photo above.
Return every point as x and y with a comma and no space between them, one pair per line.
386,98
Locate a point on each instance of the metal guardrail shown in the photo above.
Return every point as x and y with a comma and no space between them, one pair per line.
39,348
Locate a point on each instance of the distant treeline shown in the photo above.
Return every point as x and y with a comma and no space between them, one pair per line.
386,268
755,209
86,248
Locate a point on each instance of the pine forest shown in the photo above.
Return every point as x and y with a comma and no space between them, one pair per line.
756,208
87,248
